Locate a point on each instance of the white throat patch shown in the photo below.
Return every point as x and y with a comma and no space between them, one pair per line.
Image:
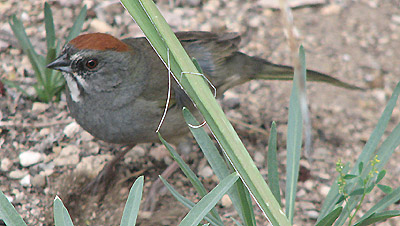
73,87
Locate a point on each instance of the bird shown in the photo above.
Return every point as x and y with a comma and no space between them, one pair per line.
117,89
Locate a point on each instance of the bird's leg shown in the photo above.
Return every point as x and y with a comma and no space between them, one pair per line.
184,148
152,196
106,175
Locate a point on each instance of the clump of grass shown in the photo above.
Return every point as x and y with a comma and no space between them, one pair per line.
49,83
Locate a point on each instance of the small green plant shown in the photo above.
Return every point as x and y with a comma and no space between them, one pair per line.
50,83
366,183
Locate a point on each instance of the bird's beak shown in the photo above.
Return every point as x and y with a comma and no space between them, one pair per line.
62,63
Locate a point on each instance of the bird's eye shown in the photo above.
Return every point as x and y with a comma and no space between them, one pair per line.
92,63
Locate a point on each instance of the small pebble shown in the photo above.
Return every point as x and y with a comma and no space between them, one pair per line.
259,158
86,136
44,132
39,180
301,193
29,158
331,9
309,185
5,164
17,174
313,214
69,155
39,107
159,152
396,18
71,129
226,201
92,165
206,172
26,181
324,190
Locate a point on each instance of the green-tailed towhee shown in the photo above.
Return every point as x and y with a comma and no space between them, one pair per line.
117,88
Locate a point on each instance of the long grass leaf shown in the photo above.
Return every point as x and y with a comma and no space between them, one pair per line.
272,164
49,25
132,205
199,211
186,202
330,218
61,216
8,213
377,217
294,142
239,198
189,174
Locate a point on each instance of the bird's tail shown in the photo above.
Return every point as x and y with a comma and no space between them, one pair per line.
262,69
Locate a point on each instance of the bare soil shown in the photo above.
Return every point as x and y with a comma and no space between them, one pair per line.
355,41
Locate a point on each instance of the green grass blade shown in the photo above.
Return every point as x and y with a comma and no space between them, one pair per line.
330,218
132,205
272,164
189,204
19,31
49,25
238,196
8,213
185,168
26,45
189,174
61,216
77,26
377,217
294,142
199,211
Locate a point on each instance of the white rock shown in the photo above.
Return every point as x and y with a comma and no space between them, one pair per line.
26,181
396,19
324,190
44,132
86,136
29,158
39,107
312,214
206,172
17,174
226,201
69,155
72,129
331,9
5,164
309,184
92,165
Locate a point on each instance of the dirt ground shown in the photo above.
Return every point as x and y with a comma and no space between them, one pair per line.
355,41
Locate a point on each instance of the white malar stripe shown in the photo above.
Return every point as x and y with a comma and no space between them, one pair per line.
73,87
